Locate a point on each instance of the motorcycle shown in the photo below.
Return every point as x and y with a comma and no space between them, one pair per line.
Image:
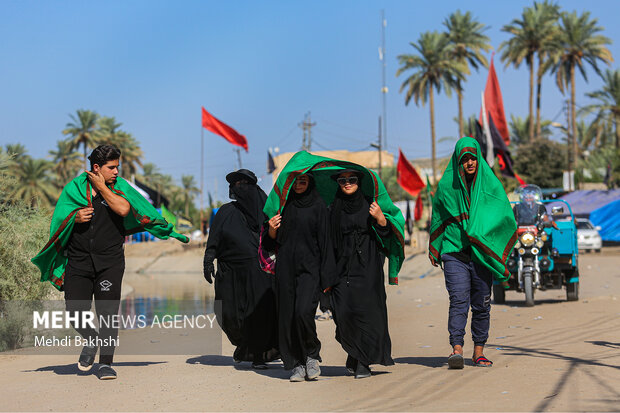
544,257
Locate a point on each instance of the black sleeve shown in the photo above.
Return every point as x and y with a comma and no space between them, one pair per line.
383,232
268,243
215,233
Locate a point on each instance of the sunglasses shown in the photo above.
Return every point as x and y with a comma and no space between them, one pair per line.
350,180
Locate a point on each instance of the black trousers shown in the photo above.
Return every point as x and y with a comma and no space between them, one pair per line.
80,285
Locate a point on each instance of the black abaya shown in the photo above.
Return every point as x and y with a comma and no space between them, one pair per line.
359,298
246,294
304,267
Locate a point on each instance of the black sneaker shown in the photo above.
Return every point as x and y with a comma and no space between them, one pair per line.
361,372
106,372
87,358
259,365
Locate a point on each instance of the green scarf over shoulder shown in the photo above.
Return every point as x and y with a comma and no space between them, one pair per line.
77,195
480,218
322,169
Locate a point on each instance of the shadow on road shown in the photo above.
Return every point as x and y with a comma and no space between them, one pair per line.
212,360
521,303
433,362
71,369
576,364
604,344
275,369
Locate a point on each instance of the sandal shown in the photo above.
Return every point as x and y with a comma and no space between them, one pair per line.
455,361
481,362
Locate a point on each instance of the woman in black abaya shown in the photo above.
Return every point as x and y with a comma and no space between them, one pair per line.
359,298
246,294
304,267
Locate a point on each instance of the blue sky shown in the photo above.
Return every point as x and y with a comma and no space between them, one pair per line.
258,66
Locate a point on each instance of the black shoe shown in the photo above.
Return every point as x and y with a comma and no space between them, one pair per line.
106,372
87,358
351,365
361,372
259,365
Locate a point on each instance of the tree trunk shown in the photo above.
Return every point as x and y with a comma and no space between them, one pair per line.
538,90
459,94
617,128
85,157
432,108
572,114
530,63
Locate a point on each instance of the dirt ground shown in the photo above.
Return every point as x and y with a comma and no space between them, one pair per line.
556,356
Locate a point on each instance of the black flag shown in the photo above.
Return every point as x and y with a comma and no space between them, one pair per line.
409,220
271,166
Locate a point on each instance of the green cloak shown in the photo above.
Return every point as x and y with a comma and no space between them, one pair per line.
77,195
322,168
482,219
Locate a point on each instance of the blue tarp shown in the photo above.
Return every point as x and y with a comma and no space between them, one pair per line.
608,218
584,202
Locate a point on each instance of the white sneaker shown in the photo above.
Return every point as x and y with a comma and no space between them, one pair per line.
299,374
312,368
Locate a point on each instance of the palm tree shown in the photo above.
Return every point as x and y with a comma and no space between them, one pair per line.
548,15
468,45
16,150
189,190
578,43
82,131
531,34
131,154
433,68
33,183
608,105
149,170
6,161
66,162
519,130
107,131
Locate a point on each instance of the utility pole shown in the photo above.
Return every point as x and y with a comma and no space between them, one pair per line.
384,89
238,156
306,126
569,143
379,148
202,174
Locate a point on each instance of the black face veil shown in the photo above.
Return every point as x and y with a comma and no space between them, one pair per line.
250,200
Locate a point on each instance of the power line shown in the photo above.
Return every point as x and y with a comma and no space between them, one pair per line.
346,127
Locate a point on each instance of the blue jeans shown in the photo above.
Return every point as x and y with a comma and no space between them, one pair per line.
468,285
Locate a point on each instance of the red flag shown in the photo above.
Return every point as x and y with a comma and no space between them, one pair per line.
419,207
407,176
212,124
494,104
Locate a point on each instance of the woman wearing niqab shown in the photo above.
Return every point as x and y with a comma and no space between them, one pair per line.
246,293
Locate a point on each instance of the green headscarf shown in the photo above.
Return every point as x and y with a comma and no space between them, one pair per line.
77,195
322,169
480,218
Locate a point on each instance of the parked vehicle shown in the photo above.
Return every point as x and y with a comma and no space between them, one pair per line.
545,255
588,237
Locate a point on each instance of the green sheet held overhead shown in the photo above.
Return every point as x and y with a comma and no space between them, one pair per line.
322,168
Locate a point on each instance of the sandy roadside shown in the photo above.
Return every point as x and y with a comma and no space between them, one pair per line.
556,356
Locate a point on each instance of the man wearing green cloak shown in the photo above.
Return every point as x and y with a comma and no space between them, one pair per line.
472,234
84,256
